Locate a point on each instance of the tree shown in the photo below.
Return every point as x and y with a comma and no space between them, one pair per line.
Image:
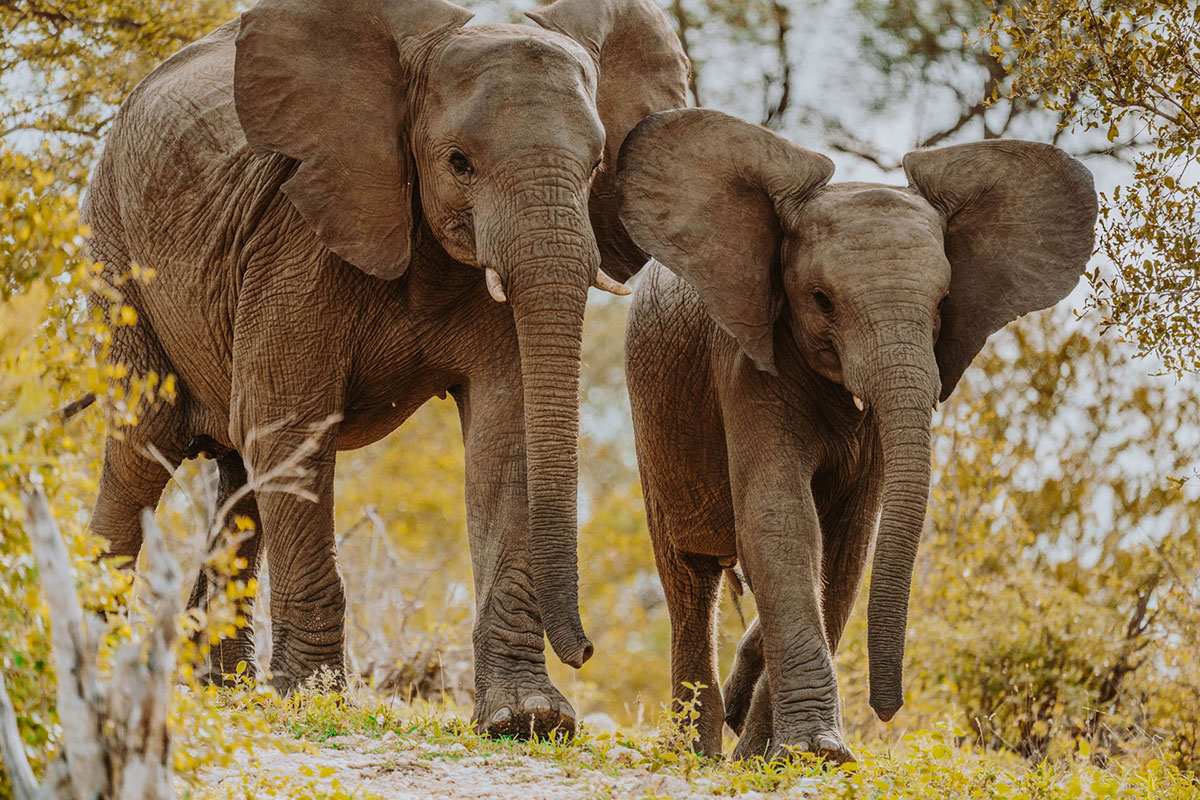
1056,593
66,67
1128,65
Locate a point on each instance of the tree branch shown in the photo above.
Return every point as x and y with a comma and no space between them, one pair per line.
684,26
775,112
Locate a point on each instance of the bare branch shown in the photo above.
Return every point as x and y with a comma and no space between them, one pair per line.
12,750
74,650
116,742
683,24
858,151
776,111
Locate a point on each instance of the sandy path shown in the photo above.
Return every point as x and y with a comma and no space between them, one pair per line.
398,768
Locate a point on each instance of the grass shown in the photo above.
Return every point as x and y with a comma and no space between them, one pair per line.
930,763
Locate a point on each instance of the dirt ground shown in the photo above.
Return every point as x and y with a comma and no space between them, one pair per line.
398,768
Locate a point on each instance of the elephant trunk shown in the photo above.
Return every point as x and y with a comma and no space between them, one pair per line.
901,391
549,260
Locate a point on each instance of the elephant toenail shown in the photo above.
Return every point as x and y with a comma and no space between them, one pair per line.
537,703
802,747
566,712
502,715
829,743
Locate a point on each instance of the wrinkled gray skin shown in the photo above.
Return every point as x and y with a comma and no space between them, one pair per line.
783,299
320,187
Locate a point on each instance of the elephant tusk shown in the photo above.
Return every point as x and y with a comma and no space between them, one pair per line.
936,405
609,285
494,285
858,403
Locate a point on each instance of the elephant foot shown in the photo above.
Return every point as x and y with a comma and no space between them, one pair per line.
828,745
325,678
227,675
292,667
825,744
224,658
524,713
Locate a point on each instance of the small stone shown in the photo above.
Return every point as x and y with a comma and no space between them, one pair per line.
659,785
600,723
807,787
388,737
623,755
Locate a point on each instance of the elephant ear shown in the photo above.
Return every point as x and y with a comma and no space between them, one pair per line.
1019,231
710,196
642,69
323,82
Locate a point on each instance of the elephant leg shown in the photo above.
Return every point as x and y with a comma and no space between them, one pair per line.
513,693
847,538
755,734
133,476
288,392
748,666
779,544
691,584
225,655
130,481
308,599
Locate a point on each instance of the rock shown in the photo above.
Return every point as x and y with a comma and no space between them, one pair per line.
623,755
600,723
807,787
659,785
389,737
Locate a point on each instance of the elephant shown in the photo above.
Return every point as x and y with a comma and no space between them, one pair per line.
351,206
785,353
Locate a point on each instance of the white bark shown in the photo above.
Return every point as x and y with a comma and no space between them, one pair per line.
115,738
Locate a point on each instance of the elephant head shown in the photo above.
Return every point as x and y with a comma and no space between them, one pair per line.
492,138
887,292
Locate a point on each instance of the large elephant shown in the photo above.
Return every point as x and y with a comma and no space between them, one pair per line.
783,368
352,206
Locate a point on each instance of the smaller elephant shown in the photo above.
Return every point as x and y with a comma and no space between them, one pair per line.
784,359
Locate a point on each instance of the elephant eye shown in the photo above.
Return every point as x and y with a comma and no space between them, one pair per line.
460,164
823,302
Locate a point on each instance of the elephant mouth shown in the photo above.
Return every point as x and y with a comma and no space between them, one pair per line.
464,225
457,237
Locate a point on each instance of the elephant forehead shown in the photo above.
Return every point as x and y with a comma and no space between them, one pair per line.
869,215
523,82
518,54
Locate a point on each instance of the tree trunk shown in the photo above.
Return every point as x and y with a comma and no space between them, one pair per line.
115,738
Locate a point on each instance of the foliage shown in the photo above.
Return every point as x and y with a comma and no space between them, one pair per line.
45,361
1121,65
61,70
1056,595
920,43
65,67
